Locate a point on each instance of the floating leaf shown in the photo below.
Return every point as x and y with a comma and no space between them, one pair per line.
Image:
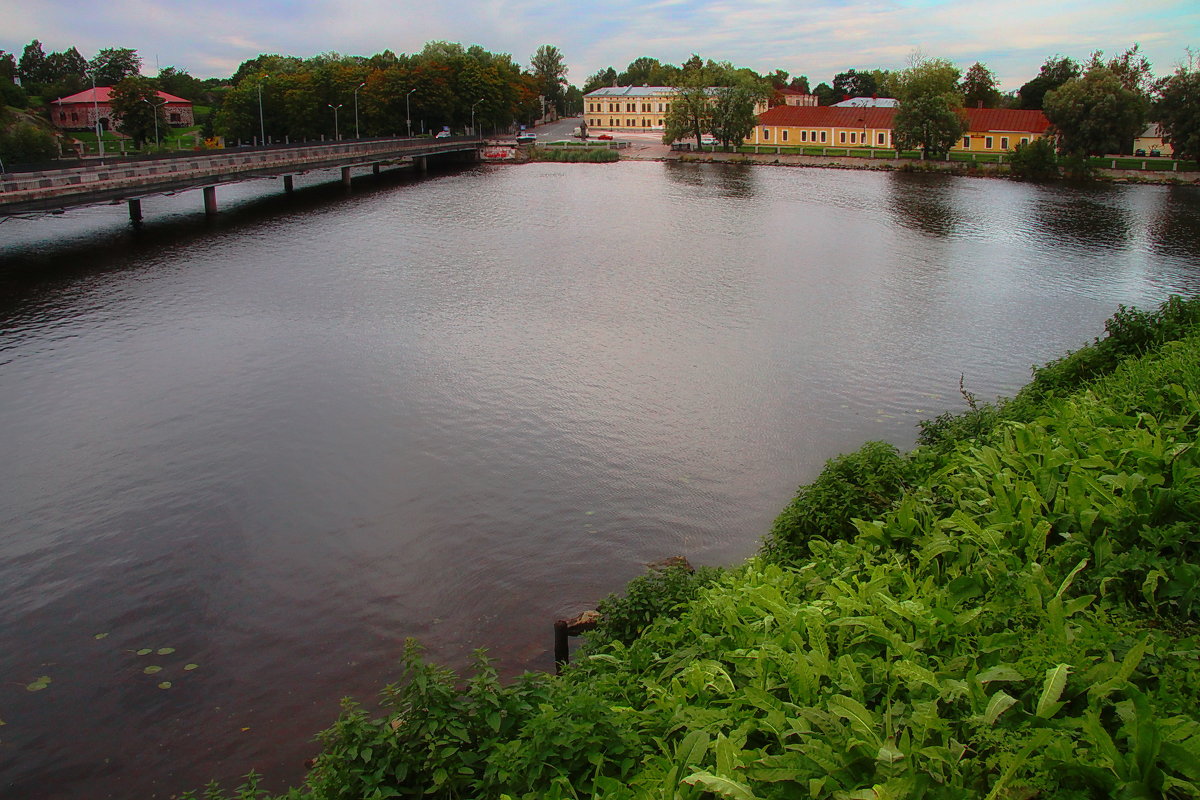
190,667
165,685
39,684
100,636
166,651
150,670
145,651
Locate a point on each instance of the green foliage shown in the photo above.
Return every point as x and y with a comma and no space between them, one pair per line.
574,155
1053,74
1178,110
25,143
1096,113
690,114
114,64
733,117
1035,161
646,598
860,485
979,87
138,109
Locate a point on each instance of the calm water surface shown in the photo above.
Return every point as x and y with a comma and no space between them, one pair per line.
458,408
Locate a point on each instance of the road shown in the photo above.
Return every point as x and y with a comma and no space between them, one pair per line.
642,144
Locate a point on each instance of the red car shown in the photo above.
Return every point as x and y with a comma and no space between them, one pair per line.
606,137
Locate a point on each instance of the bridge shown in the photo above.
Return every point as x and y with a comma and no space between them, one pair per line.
114,180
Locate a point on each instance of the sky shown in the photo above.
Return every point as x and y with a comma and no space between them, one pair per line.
817,38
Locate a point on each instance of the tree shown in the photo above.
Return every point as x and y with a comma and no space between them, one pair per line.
179,83
800,84
979,87
113,64
825,94
8,66
932,123
550,69
597,80
1095,114
1179,109
690,114
930,115
642,71
852,83
1053,74
32,66
135,103
732,113
1131,68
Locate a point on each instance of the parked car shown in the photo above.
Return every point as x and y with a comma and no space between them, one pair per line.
442,135
708,140
1155,153
606,137
525,137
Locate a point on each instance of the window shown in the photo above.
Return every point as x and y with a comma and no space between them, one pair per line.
823,136
175,117
74,117
804,136
966,143
784,137
1024,140
1003,142
766,134
852,139
842,138
987,142
881,140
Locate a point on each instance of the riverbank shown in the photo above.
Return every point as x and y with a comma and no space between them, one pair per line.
1008,611
983,169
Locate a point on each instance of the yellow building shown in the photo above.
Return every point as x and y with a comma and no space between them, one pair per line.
631,108
1152,140
990,130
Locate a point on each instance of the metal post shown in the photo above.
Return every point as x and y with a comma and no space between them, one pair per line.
262,125
335,122
408,111
364,83
156,107
96,113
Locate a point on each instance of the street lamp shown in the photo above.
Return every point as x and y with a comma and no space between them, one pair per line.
157,107
335,125
96,114
477,102
364,83
262,125
408,111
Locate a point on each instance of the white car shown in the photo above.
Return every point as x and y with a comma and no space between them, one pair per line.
442,135
708,140
525,137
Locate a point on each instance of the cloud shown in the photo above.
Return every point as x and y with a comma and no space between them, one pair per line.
812,37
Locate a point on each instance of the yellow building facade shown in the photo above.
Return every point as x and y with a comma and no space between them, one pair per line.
989,130
631,108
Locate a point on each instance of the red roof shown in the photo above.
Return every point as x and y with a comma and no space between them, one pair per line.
828,117
1002,120
104,93
1007,120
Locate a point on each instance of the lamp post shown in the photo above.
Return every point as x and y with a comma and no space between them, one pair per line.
408,111
477,102
262,125
335,125
157,107
356,88
96,114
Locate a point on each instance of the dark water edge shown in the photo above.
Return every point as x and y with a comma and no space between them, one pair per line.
459,407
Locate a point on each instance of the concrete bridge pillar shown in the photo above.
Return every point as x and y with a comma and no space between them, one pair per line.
421,163
346,177
288,186
135,210
210,201
375,168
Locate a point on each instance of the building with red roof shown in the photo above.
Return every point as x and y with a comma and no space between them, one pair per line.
81,111
989,130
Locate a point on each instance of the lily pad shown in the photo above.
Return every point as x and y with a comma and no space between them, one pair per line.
190,667
145,651
166,651
165,685
39,684
150,670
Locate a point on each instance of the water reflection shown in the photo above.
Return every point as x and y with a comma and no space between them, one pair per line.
1174,230
924,203
1091,217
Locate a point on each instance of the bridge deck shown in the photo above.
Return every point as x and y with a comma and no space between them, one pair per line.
99,183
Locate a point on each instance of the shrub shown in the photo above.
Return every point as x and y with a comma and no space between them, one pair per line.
26,144
594,155
624,617
1035,161
862,484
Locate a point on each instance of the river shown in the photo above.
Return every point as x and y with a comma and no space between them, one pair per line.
458,407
